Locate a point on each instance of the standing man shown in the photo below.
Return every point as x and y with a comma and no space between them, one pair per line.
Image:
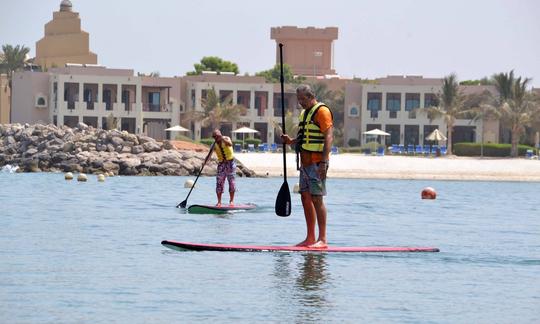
313,143
226,167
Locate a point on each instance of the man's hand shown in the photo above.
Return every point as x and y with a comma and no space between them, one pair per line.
323,167
286,139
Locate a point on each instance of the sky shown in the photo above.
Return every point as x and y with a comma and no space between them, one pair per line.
472,38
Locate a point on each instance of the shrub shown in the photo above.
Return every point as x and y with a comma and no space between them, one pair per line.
353,142
255,141
490,149
207,141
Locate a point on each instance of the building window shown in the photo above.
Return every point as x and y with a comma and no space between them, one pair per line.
430,100
393,102
192,98
412,101
154,101
354,112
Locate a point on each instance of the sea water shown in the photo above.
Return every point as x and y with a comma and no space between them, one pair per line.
73,252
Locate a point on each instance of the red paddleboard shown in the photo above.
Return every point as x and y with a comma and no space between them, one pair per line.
211,209
183,246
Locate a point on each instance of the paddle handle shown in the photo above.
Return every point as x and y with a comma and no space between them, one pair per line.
282,83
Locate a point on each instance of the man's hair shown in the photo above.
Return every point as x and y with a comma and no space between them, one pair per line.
306,91
216,132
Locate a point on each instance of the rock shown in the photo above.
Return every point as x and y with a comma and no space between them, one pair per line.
167,145
152,147
82,126
137,149
145,139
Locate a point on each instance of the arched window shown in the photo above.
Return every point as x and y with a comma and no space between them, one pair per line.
41,101
353,111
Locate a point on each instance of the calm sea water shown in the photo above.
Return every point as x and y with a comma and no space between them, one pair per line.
90,253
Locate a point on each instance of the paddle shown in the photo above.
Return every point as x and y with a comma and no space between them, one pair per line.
283,200
184,203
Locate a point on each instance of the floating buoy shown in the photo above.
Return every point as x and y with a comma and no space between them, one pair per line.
101,177
82,177
111,174
296,188
429,193
189,183
68,176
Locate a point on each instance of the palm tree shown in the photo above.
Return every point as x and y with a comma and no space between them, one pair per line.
13,60
215,112
450,106
517,107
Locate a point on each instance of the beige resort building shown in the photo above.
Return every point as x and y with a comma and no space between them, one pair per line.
64,40
390,104
93,94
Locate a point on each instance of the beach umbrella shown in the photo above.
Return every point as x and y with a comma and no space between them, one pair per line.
177,128
376,132
436,135
244,130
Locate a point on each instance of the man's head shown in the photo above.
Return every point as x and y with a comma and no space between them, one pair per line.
305,96
216,134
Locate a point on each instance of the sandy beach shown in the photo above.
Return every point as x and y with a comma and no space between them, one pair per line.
403,167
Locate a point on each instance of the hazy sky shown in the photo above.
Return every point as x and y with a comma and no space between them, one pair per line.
376,38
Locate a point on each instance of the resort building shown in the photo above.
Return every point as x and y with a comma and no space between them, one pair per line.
64,41
391,104
308,51
5,93
262,101
99,97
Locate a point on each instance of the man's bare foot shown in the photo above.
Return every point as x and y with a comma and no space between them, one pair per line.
218,204
305,242
319,244
231,203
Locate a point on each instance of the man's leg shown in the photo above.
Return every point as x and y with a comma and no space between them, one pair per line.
309,214
232,183
220,181
320,209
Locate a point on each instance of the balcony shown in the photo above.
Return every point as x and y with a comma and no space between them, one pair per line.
166,107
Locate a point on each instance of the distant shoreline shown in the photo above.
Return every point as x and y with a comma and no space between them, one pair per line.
359,166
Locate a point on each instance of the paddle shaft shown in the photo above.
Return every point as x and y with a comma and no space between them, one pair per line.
282,82
200,171
283,199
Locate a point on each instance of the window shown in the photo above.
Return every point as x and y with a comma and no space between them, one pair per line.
374,101
154,101
393,102
354,112
412,101
430,100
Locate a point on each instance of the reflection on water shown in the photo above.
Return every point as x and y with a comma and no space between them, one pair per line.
303,281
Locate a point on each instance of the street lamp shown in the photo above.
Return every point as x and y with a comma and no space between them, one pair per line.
316,54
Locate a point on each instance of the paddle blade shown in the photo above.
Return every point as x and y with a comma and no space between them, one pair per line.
283,201
182,204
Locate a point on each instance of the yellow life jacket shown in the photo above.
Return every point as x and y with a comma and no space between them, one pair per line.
309,133
223,151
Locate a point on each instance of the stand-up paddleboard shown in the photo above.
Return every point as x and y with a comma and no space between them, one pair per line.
223,209
183,246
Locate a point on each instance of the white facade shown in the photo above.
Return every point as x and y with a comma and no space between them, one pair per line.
140,105
391,105
258,98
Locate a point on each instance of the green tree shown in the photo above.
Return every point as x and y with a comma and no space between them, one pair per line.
483,81
291,125
13,60
273,75
450,106
336,101
516,106
214,63
215,112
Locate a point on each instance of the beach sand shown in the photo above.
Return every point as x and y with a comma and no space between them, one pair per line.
403,167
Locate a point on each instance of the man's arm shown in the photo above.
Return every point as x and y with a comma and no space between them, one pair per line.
227,140
328,139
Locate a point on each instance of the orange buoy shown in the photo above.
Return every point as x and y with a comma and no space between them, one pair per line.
429,193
